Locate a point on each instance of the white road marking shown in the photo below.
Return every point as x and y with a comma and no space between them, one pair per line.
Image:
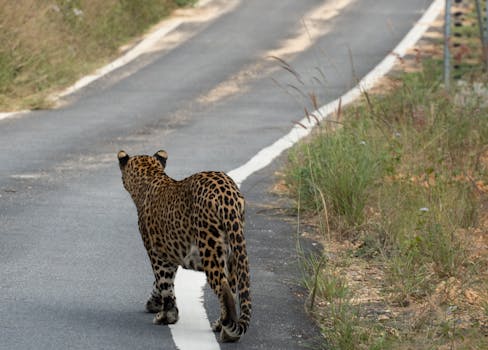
268,154
32,176
6,115
193,329
139,49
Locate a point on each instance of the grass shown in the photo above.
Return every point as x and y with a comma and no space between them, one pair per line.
49,45
340,169
398,185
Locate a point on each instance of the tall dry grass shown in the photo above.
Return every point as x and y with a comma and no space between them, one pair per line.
47,45
403,178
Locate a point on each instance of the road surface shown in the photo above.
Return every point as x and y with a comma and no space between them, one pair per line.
73,271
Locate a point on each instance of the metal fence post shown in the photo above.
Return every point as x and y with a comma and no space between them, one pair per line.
447,39
482,29
486,19
485,37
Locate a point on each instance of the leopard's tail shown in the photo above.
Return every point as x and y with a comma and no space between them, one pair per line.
232,327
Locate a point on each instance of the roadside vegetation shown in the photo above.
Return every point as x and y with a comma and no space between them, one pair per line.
48,45
396,189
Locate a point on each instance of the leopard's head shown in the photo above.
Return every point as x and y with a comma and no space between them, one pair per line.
138,171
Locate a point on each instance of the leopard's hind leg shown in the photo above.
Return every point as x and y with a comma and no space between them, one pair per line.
155,302
232,281
214,253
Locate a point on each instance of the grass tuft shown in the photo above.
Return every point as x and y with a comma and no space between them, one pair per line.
336,171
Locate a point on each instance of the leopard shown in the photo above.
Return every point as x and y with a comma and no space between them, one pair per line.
196,223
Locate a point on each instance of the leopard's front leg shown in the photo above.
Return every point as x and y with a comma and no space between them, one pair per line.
162,300
164,286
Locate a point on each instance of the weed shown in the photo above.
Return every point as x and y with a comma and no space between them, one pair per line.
341,319
321,279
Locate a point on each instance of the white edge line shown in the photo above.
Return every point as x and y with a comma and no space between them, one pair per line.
16,114
129,56
268,154
142,47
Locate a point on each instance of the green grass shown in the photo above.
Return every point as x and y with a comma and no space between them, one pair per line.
336,172
399,176
46,46
400,180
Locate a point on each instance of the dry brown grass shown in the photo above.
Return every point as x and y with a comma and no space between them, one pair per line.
47,45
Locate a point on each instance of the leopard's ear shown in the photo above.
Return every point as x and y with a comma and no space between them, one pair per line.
162,156
123,158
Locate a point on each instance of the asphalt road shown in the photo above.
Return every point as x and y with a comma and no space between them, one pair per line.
73,271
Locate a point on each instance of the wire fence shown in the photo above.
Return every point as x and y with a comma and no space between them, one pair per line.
482,23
